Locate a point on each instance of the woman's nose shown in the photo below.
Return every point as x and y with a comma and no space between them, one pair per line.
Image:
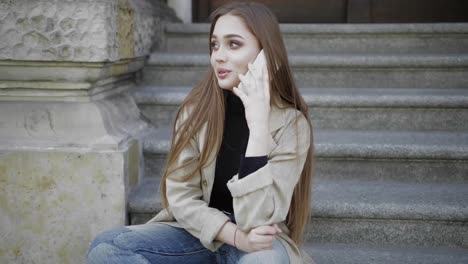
220,54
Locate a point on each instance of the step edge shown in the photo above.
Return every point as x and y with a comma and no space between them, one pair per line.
378,28
157,141
175,97
162,59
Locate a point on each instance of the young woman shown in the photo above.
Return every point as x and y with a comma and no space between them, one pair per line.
236,188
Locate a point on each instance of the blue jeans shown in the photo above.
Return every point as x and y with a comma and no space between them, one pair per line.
161,243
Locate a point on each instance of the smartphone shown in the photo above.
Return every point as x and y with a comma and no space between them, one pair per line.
260,61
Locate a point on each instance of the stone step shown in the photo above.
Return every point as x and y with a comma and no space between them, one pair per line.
358,254
369,212
356,199
410,157
324,71
340,38
345,108
145,201
361,144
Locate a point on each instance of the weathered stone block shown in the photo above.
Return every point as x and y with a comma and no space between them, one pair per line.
66,169
113,29
52,203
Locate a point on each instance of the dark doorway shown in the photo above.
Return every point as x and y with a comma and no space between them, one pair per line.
352,11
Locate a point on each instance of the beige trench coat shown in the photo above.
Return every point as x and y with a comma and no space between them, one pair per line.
261,198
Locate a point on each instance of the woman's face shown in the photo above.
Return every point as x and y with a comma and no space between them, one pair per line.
233,47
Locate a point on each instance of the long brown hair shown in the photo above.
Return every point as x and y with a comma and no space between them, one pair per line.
206,104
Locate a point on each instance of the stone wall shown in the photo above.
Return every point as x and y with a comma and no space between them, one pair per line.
70,150
85,30
52,203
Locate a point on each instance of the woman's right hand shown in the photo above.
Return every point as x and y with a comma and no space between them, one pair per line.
259,238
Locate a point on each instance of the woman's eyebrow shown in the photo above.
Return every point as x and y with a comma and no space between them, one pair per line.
229,36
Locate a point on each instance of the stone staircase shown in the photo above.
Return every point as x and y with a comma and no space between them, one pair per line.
389,105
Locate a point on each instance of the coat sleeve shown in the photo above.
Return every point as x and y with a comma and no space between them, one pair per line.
186,202
264,196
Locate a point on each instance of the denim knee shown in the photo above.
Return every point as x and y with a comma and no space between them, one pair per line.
107,237
144,244
104,253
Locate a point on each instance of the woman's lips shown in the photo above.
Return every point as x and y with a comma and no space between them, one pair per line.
223,73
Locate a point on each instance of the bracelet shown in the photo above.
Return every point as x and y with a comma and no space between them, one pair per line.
235,233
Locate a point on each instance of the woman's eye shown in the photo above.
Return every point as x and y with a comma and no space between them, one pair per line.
234,44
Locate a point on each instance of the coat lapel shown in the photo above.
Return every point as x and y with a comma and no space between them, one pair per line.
275,122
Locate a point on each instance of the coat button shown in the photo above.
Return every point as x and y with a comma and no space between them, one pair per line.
205,183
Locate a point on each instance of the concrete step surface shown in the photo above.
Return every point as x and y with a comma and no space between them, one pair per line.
345,108
324,71
340,38
328,60
340,97
364,212
442,145
359,199
392,144
410,157
365,254
356,199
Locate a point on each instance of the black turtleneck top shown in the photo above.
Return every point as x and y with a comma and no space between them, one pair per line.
231,160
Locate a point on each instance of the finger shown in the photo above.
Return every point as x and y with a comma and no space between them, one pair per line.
242,87
242,78
258,77
240,94
265,230
251,68
244,83
262,239
266,84
278,230
252,74
259,82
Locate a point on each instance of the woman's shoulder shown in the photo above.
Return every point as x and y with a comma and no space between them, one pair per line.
184,113
293,132
288,115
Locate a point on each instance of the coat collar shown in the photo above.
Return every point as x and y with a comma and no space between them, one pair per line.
275,122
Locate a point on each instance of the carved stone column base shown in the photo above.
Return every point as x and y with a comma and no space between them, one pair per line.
66,169
70,152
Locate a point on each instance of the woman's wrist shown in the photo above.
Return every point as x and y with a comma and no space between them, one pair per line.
241,240
227,233
257,144
258,129
235,235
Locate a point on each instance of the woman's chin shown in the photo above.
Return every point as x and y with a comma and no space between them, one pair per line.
225,86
